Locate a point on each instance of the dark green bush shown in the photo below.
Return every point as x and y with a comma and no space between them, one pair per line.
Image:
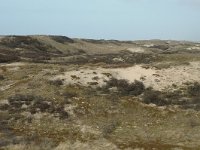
24,98
62,39
4,107
110,128
69,94
154,97
196,100
1,77
26,47
8,56
57,82
194,90
125,88
162,47
136,88
34,104
26,42
112,82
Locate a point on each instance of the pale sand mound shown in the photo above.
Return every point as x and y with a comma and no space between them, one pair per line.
85,77
15,64
158,79
11,66
149,45
136,50
132,73
162,79
194,48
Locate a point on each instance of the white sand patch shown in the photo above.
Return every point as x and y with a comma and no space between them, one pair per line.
177,75
158,79
118,59
161,79
12,66
84,77
5,101
136,50
132,73
193,48
101,75
148,45
16,64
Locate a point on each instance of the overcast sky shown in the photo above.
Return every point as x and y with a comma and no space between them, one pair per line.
103,19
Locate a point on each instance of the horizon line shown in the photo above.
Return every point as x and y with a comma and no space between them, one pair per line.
106,39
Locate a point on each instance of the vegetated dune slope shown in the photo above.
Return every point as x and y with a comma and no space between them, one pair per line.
62,93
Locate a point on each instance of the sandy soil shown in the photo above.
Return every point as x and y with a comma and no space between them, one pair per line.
162,79
149,45
85,76
13,64
194,48
158,79
136,50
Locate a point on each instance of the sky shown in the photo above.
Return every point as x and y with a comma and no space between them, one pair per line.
103,19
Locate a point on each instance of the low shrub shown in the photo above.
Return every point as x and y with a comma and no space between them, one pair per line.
110,128
57,82
69,94
1,77
26,42
34,104
154,97
136,88
62,39
195,100
194,89
93,83
8,56
125,88
162,47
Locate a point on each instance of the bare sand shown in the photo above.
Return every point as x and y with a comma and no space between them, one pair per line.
158,79
136,50
13,64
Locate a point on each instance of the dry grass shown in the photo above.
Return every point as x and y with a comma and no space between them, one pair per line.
38,114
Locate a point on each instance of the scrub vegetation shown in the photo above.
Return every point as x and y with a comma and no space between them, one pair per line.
62,93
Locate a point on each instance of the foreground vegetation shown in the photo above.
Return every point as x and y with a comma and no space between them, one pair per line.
39,111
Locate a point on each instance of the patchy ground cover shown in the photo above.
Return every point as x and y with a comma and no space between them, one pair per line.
138,95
